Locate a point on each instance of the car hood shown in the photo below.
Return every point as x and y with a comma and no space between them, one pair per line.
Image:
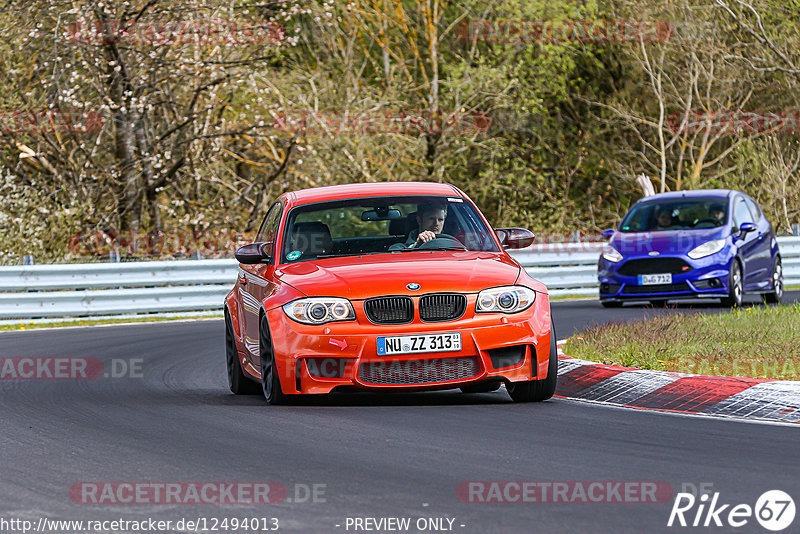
665,242
363,277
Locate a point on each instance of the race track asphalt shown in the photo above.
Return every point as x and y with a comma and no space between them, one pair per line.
373,455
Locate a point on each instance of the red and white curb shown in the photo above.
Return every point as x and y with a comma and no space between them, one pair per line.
748,398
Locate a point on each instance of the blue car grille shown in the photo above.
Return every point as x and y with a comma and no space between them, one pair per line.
656,288
605,287
654,266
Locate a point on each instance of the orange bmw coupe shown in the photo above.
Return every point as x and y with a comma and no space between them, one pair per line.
397,286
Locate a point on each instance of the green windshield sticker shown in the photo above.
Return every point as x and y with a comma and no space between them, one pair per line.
293,255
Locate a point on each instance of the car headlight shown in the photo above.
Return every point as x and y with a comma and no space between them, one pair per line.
507,299
319,310
611,254
707,249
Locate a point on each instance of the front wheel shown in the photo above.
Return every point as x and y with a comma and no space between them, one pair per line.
735,286
777,284
538,390
270,381
237,381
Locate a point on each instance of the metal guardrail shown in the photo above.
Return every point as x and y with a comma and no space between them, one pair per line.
105,289
570,269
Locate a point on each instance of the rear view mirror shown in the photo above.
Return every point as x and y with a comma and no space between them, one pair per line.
515,237
252,254
381,214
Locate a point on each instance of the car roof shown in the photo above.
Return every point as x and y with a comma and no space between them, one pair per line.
375,189
692,193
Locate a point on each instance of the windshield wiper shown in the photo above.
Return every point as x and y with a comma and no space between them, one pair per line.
428,249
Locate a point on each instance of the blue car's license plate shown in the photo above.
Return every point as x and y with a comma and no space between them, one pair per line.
653,279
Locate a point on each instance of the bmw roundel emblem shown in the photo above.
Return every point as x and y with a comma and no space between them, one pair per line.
413,286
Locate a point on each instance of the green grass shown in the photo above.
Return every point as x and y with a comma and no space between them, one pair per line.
757,342
95,322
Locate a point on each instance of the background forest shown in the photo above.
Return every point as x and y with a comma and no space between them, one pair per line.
173,128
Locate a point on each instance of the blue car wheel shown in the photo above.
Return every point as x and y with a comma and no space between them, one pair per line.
735,286
777,284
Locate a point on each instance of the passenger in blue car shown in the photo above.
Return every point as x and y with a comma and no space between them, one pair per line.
664,220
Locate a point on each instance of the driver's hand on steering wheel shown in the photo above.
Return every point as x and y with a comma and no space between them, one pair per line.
424,237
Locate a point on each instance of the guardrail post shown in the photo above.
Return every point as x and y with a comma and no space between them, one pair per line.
796,230
113,256
576,236
27,260
197,255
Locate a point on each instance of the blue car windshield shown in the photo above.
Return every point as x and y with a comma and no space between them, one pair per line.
676,214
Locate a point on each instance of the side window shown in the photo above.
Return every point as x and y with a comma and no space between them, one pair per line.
269,228
753,209
741,213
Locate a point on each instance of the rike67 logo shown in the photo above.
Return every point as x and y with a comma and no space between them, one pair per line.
774,510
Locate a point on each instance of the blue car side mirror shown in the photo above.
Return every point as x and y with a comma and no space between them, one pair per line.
608,233
747,227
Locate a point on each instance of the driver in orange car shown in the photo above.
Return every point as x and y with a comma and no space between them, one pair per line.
430,220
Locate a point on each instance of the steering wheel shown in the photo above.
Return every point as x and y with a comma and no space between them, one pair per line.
713,220
442,241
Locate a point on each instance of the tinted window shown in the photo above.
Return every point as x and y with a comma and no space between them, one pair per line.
741,213
676,214
753,208
269,228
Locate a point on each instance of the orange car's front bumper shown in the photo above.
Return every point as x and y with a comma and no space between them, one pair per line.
317,359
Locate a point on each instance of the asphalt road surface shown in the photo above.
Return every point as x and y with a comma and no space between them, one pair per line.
367,456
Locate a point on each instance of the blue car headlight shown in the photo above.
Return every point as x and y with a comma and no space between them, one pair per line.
506,299
707,249
320,310
611,254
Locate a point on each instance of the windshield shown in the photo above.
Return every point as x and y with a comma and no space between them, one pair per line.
678,214
380,225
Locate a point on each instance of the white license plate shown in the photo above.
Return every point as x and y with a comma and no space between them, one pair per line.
447,342
652,279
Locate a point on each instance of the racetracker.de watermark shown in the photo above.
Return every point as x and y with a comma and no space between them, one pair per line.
205,492
173,32
564,31
736,122
69,368
568,491
157,243
51,121
356,122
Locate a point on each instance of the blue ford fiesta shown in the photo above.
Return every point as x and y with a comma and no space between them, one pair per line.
712,243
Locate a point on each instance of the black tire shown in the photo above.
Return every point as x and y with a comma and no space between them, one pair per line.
539,390
735,286
270,383
610,304
775,296
237,381
486,387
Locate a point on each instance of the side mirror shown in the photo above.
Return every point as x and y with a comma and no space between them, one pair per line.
515,237
747,227
608,233
251,254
